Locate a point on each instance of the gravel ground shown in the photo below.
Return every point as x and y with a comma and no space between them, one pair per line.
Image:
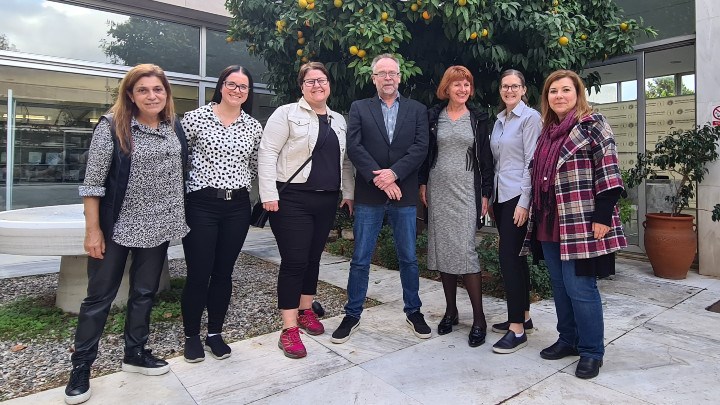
45,364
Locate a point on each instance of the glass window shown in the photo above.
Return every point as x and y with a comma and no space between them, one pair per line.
55,113
57,29
628,90
671,18
221,54
607,94
263,106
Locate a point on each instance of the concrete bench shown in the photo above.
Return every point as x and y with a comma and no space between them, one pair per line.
59,231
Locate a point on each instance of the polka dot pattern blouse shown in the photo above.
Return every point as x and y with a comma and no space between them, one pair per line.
221,157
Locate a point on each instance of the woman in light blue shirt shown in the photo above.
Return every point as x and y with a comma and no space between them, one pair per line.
512,142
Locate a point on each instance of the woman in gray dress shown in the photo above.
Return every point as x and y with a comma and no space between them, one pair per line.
455,184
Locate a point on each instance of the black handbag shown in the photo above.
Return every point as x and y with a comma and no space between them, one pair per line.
259,215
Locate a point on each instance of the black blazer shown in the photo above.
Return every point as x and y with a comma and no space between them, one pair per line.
483,167
369,148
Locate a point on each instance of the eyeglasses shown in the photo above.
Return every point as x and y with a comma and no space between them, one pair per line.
311,82
513,87
233,86
391,75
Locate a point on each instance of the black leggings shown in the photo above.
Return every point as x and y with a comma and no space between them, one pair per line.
301,227
514,268
104,277
217,232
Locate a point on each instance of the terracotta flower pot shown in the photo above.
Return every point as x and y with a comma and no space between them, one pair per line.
670,244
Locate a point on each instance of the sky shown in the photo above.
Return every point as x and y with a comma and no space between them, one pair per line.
55,29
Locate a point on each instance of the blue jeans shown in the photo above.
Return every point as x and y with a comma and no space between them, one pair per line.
368,221
577,304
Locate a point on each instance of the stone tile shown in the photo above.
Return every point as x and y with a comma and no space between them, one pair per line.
639,366
648,290
383,330
256,370
389,289
697,331
337,274
636,268
351,386
120,389
562,388
698,302
626,313
445,370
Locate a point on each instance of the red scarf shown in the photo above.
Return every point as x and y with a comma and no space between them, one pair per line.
545,160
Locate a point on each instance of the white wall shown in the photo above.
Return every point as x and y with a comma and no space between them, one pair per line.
707,50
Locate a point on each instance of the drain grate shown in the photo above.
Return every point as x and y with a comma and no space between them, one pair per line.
714,307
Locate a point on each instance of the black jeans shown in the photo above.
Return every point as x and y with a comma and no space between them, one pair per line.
104,277
217,232
301,227
514,268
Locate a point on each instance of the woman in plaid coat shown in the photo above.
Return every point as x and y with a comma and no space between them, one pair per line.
576,183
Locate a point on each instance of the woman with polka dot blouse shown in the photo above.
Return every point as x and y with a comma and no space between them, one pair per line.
223,140
302,214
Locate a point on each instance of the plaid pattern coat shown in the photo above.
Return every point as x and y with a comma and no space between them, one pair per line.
587,166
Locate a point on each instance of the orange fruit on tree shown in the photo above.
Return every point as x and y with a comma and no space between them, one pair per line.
311,6
307,23
563,40
484,33
426,15
583,36
418,2
301,41
474,35
462,3
361,53
304,59
299,34
229,39
387,39
624,26
384,16
414,7
311,1
556,3
338,3
302,3
299,52
353,50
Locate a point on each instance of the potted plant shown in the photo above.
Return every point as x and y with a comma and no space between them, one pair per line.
670,238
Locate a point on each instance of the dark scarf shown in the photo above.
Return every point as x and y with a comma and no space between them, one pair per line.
546,157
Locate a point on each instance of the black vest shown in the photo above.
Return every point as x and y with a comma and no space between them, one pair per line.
119,174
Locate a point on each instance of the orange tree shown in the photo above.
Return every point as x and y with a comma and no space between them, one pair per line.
487,36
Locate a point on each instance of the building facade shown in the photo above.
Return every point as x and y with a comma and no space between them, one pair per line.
60,61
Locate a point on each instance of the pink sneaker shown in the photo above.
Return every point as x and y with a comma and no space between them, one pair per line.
291,344
309,321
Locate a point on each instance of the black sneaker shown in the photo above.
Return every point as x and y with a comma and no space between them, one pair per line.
142,361
505,326
347,327
216,346
78,388
510,343
416,322
193,352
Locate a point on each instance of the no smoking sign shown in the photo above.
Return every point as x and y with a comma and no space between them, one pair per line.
716,115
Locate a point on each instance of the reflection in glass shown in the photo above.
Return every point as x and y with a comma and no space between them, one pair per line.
221,54
57,29
672,18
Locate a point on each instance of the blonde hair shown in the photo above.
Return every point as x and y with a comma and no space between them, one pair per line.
582,107
453,74
124,108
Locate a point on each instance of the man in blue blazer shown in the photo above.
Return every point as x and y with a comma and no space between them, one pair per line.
387,141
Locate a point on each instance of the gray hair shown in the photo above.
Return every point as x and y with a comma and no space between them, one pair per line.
384,56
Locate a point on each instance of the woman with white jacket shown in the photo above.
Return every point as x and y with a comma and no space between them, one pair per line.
302,214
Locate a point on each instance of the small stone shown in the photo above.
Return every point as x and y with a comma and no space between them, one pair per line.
18,347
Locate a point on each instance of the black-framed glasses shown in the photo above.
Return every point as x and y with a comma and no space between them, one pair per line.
391,75
311,82
232,86
513,87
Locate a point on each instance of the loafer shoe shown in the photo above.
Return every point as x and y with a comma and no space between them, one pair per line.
446,324
557,351
505,326
476,336
588,368
510,343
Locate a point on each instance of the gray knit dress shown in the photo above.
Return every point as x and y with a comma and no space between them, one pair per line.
451,200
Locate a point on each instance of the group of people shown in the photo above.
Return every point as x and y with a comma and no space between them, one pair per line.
550,180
